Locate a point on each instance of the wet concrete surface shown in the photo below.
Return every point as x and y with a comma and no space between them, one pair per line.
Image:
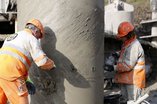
74,40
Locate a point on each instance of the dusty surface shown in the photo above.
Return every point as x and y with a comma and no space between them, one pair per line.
74,40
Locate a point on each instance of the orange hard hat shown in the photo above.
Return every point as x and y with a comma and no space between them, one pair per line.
124,28
38,24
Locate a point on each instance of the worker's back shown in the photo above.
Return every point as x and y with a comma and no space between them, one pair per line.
16,53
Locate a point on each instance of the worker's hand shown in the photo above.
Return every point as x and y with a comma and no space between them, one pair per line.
115,67
54,67
31,88
115,54
109,68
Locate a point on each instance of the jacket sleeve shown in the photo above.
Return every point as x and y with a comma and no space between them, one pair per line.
128,59
48,65
39,57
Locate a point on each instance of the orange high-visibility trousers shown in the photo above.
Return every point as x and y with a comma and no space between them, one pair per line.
15,91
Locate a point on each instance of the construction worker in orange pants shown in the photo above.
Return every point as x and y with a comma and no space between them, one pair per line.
16,56
130,68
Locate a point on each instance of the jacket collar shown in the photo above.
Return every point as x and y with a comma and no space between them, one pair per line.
128,42
27,30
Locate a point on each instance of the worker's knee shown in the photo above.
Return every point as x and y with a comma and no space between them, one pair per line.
24,99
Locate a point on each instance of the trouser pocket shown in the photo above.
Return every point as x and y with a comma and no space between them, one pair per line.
21,86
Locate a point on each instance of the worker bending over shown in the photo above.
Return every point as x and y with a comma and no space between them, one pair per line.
130,67
16,56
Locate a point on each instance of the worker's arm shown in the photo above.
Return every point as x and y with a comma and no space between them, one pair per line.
48,65
44,62
40,57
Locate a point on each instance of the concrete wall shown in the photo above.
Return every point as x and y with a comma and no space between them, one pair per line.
115,13
74,40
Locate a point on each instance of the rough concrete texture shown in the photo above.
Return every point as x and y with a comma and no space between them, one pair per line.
74,40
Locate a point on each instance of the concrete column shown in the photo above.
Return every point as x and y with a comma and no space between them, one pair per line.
74,40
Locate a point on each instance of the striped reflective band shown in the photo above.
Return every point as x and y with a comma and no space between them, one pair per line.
16,47
17,54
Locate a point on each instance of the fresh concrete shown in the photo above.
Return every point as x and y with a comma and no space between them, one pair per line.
74,40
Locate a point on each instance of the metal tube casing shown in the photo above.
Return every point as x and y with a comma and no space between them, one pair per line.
74,40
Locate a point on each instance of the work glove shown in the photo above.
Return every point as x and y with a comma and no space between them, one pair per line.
30,86
109,67
115,54
54,67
